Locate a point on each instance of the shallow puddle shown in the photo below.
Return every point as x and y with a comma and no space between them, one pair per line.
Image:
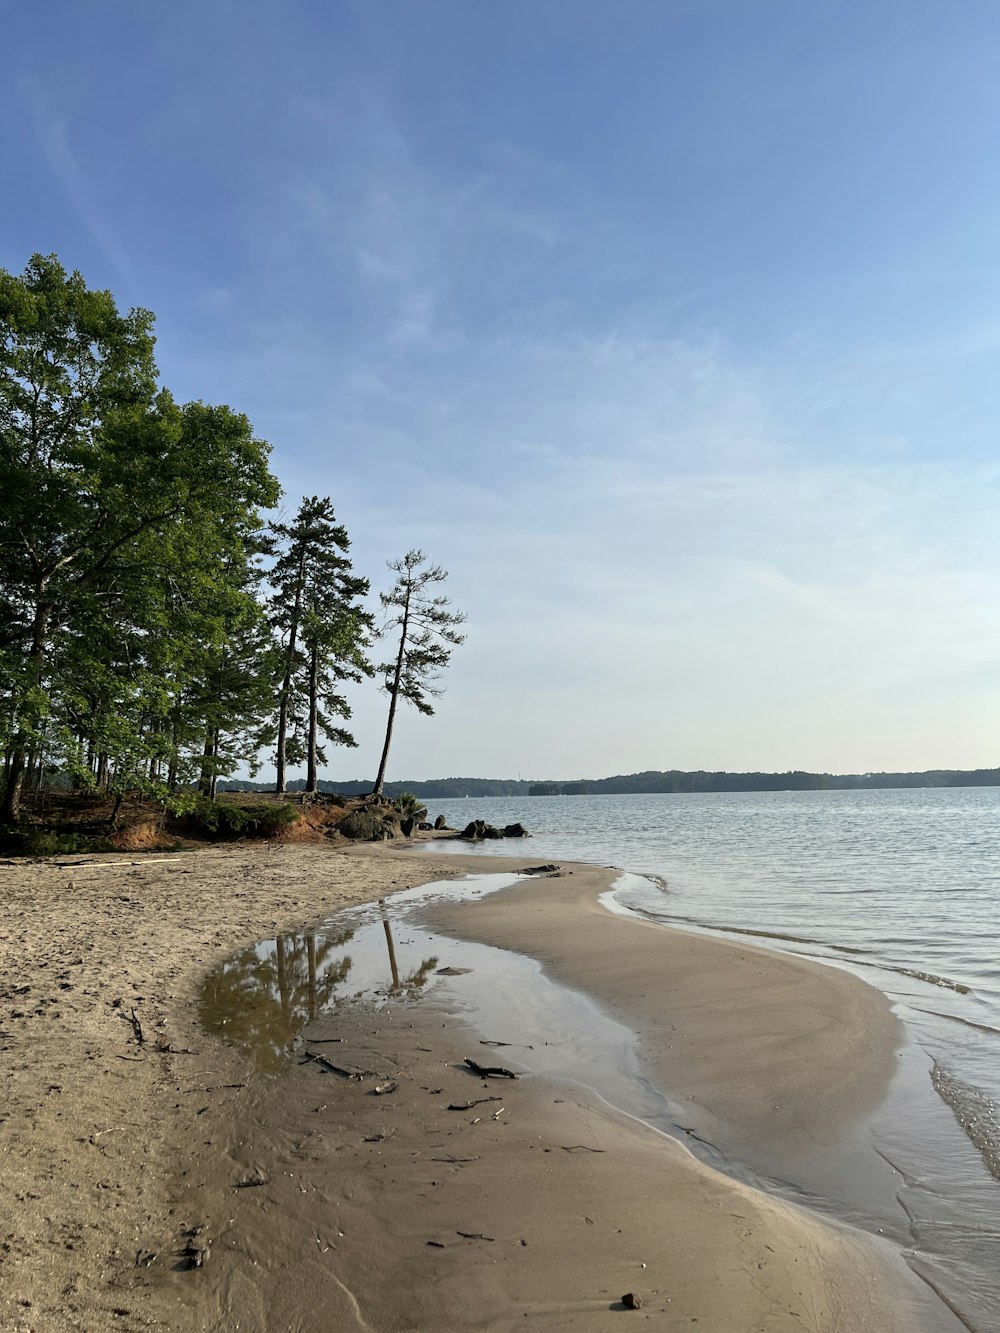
263,999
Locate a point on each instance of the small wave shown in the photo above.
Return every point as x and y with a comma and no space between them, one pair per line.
975,1111
957,1018
930,977
734,930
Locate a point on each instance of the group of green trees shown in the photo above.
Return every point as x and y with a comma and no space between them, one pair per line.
155,630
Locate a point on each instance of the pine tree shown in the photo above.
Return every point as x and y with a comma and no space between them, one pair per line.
428,631
317,611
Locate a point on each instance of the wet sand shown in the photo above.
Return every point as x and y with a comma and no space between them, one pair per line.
774,1059
319,1198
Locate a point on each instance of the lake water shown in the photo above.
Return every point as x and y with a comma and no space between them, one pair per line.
902,887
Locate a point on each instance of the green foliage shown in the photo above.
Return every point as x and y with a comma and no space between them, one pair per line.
132,643
145,645
47,842
224,820
410,806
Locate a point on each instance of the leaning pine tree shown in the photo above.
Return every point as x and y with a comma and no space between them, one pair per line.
428,631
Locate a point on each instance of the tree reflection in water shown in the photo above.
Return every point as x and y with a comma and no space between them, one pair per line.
409,986
261,999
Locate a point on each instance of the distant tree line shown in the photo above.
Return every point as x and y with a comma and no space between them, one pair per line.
156,632
633,784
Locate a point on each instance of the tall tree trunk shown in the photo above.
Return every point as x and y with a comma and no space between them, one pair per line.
286,683
102,771
213,785
10,810
172,770
393,698
313,717
208,754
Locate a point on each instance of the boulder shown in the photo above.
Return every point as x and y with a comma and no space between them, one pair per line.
479,830
375,825
440,822
406,827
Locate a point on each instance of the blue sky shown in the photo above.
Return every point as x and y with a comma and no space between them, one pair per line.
671,329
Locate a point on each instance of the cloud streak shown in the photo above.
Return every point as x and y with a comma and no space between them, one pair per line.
53,137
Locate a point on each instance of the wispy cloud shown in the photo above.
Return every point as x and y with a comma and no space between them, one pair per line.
53,134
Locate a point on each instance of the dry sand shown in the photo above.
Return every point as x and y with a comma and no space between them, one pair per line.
115,1147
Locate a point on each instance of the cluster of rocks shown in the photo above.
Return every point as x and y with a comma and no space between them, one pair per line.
479,831
378,823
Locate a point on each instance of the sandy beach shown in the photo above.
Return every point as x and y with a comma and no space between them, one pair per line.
133,1139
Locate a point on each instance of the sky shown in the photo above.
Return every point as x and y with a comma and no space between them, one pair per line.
669,327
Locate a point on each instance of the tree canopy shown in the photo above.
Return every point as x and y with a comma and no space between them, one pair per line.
156,630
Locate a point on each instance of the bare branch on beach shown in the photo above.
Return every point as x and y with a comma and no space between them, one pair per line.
489,1071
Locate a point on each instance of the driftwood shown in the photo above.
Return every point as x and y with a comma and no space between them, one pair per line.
467,1106
489,1071
116,865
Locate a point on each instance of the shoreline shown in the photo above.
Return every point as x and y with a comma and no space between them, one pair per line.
777,1060
132,1142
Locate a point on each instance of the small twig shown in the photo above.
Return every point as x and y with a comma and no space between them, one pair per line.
456,1161
136,1027
580,1147
467,1106
336,1069
473,1235
214,1087
112,1129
